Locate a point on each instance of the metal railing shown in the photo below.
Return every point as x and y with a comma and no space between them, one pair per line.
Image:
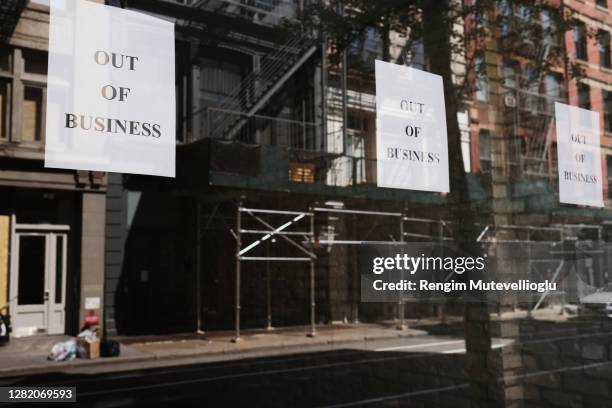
265,12
255,85
531,116
261,129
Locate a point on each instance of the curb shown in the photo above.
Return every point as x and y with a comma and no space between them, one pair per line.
149,357
61,366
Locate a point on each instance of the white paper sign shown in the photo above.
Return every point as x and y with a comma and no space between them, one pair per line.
92,303
411,140
110,95
579,156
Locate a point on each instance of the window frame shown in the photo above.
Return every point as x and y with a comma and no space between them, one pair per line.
605,57
580,86
485,159
580,40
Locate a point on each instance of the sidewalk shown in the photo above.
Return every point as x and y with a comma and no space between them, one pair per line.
26,356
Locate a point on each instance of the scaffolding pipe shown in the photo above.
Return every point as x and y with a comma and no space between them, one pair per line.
238,245
312,283
268,289
300,233
400,304
256,210
199,267
273,258
338,210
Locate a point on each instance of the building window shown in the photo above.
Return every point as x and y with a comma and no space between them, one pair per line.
551,35
484,147
603,44
505,15
553,85
602,3
480,16
31,115
509,75
301,172
4,109
584,97
609,174
580,40
414,56
482,83
607,105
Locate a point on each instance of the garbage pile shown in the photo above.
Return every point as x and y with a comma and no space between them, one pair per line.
87,344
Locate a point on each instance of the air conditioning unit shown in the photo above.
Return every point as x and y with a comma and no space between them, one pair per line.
510,101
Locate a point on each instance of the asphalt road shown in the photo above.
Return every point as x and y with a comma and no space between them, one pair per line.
340,375
413,371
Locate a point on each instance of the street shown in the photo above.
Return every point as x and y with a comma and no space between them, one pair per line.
338,375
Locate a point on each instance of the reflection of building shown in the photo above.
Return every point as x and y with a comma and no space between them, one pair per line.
267,120
52,221
512,120
274,123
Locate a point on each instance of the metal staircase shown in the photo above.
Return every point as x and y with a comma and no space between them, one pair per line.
263,12
258,87
529,128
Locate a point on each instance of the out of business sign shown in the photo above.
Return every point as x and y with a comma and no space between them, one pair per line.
111,92
579,156
411,139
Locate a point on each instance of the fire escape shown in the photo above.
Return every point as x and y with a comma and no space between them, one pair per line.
10,10
529,125
236,116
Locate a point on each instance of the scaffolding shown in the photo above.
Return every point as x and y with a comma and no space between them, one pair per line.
301,224
306,221
562,232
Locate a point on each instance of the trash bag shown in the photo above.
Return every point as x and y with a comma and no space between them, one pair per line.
63,351
5,328
109,348
88,335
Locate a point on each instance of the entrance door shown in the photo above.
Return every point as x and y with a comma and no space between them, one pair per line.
38,279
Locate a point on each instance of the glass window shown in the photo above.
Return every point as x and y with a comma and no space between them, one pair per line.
416,55
31,115
484,146
552,84
505,13
602,3
584,97
580,40
603,45
5,58
4,109
35,62
31,280
482,83
609,173
509,74
218,78
551,33
480,16
59,268
607,109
